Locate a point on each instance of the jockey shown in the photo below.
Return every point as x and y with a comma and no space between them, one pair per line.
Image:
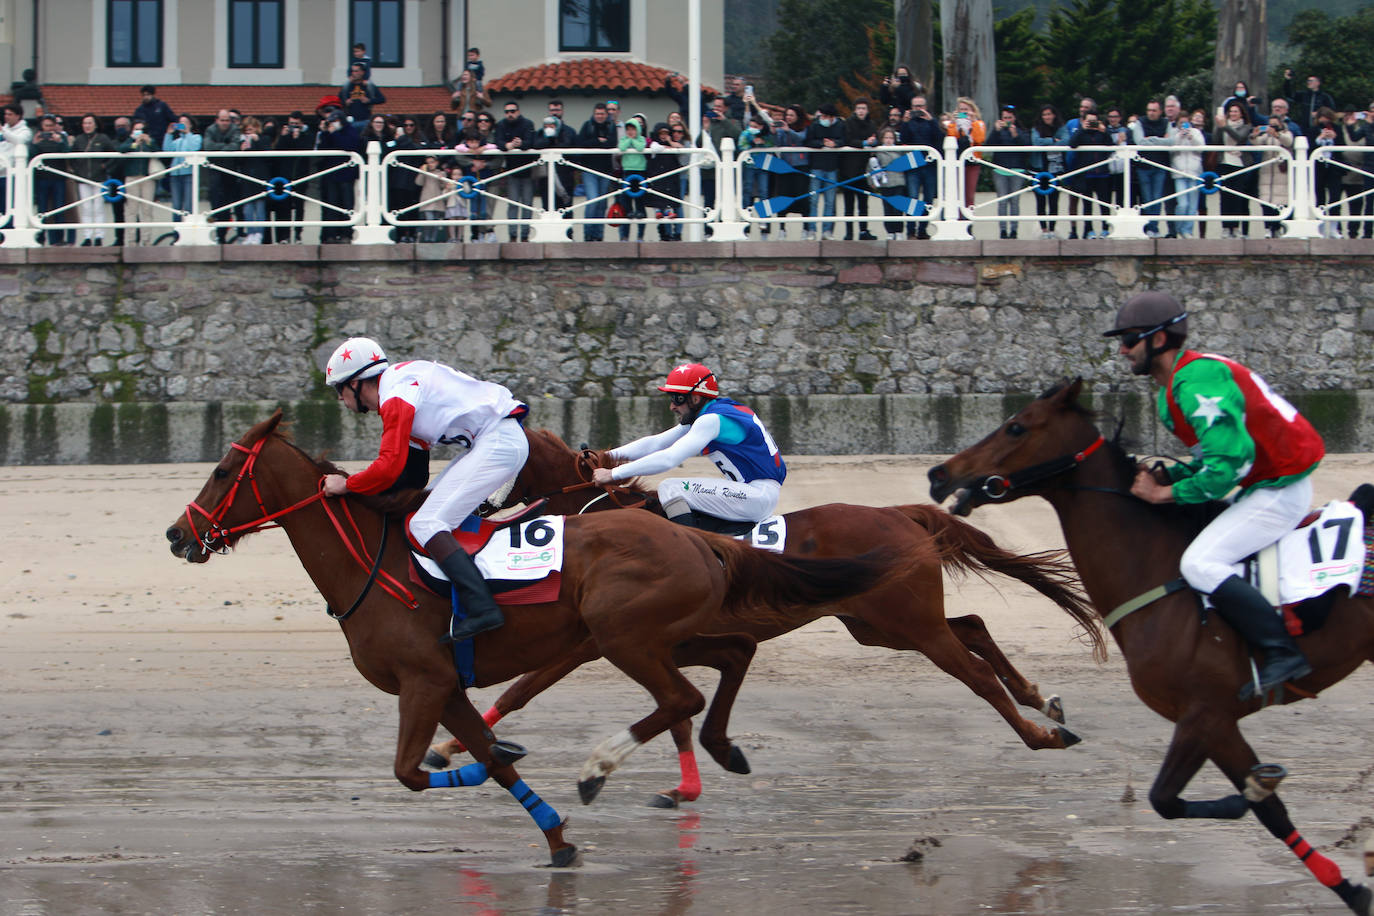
1242,435
425,404
728,433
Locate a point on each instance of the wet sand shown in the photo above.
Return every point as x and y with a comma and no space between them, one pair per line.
195,740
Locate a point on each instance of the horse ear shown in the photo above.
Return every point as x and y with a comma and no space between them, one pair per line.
263,429
1072,392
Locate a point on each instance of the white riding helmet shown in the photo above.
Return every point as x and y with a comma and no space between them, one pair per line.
355,359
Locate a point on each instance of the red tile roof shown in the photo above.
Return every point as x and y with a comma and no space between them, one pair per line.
110,101
587,73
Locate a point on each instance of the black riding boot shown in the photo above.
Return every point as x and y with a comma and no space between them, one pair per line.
483,614
1243,607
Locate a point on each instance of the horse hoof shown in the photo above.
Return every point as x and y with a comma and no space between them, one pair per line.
737,763
663,800
435,760
1069,738
564,858
1054,708
504,753
1362,901
589,789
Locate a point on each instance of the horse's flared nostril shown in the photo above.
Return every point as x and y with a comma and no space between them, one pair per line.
173,534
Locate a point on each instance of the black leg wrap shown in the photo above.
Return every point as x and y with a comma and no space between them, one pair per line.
1228,808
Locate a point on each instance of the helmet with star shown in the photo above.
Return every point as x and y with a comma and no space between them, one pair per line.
355,359
691,378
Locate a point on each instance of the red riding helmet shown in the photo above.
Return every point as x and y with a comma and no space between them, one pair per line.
691,378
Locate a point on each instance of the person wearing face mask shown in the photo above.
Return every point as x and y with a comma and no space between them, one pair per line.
1235,132
1242,95
554,134
826,136
898,89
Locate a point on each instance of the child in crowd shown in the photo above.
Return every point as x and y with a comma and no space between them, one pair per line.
359,56
476,67
632,162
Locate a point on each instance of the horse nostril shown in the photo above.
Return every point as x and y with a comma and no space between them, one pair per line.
174,534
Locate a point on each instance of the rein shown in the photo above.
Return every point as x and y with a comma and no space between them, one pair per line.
997,486
584,465
217,536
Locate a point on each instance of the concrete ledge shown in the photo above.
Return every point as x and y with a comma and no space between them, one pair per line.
853,249
783,249
265,253
1007,248
471,251
15,255
1200,247
1341,246
586,251
708,250
441,251
348,252
929,248
74,254
522,251
1296,247
173,254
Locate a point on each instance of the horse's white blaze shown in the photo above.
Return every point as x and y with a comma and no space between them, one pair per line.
609,755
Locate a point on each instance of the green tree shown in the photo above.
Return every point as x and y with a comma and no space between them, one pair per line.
1339,50
1021,69
817,44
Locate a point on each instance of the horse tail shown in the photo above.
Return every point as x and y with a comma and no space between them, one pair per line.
965,549
759,578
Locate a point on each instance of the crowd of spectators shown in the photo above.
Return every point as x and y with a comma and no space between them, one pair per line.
635,173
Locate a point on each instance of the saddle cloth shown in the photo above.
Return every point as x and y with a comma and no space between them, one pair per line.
521,557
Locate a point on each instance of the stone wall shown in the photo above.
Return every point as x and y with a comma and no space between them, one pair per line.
135,358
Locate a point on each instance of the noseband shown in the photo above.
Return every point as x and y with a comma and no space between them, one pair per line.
997,486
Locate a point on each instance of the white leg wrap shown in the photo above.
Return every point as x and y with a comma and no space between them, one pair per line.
608,756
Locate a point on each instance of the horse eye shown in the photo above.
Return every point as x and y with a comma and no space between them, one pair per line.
1015,429
221,473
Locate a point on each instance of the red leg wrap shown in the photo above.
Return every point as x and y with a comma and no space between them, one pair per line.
690,788
1325,871
491,716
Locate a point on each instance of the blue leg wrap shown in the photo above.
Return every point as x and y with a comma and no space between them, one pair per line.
544,816
474,774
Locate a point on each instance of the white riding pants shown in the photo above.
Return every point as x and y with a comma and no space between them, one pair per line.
1251,523
728,499
496,456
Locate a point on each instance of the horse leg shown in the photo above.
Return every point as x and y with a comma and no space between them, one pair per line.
689,789
516,697
973,633
461,718
1274,815
677,700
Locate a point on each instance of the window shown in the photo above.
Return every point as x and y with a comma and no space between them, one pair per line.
594,25
134,37
255,33
379,24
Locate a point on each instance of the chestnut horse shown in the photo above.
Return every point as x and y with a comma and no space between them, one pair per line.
632,584
1185,667
908,613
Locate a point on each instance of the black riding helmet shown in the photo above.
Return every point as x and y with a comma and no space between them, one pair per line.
1148,312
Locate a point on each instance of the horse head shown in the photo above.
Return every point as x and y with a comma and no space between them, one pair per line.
231,500
1048,437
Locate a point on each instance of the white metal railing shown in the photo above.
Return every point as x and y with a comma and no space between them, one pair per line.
557,195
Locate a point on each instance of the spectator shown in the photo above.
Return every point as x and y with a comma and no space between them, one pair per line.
968,129
514,134
1120,135
793,185
633,162
223,136
138,193
14,133
1327,131
899,89
675,85
180,137
1306,102
49,182
359,94
295,136
1241,94
555,135
1360,128
884,155
921,129
1279,109
155,114
825,136
480,161
735,107
859,133
337,187
1198,120
598,133
758,138
358,57
28,94
253,184
468,94
715,127
1008,170
1048,132
440,135
1073,180
433,184
662,160
475,66
1236,189
1273,173
91,174
484,126
1095,179
402,192
1187,166
1152,130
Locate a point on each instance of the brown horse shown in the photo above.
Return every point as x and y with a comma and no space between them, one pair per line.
632,584
1185,667
908,613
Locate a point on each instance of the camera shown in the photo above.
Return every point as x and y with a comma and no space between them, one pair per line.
748,90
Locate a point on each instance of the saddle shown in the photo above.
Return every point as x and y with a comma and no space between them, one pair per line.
721,525
472,535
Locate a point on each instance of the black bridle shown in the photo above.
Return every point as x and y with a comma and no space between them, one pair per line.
997,486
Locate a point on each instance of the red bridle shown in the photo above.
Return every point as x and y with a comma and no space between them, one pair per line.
216,538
